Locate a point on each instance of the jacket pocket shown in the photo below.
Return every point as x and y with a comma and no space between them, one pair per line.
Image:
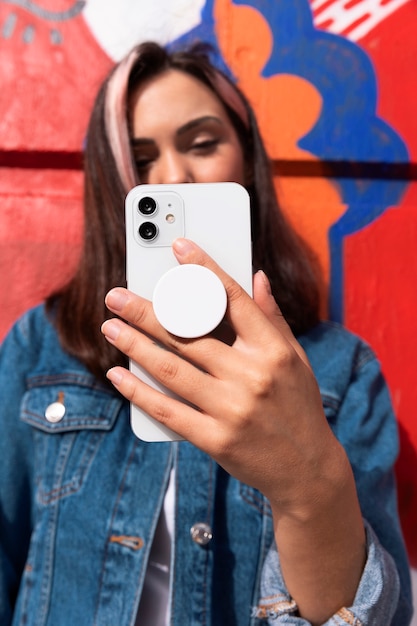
69,421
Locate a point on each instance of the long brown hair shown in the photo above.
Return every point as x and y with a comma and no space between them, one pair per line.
110,171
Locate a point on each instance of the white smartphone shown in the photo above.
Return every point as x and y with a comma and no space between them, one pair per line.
216,216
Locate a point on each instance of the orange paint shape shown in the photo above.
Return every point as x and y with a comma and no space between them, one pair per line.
287,108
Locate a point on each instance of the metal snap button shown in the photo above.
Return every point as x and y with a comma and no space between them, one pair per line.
55,412
201,533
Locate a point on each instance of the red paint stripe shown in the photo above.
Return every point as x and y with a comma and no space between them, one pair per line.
323,7
324,25
351,4
354,24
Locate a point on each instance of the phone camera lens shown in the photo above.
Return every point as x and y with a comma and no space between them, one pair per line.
147,205
148,231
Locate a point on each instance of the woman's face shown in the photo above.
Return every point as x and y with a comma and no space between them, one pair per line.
182,134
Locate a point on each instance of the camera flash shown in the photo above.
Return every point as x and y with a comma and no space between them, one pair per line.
170,218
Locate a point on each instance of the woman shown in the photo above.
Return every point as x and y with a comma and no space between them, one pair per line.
280,507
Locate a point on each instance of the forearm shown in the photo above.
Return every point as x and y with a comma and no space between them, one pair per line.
322,548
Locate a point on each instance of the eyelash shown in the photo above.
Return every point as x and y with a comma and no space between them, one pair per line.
205,144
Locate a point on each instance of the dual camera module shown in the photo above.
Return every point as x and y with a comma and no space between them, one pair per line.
159,217
148,231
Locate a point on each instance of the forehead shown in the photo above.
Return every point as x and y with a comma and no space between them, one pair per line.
172,97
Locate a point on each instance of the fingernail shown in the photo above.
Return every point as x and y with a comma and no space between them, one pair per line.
115,376
110,329
116,299
182,246
265,280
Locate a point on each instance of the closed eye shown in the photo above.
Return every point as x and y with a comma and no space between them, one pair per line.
143,164
205,146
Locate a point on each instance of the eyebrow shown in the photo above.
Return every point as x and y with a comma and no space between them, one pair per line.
138,141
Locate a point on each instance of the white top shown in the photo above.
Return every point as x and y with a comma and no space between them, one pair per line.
154,609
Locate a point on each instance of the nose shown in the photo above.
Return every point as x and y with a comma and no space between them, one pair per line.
172,167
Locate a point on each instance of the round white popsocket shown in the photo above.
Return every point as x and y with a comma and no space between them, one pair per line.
189,301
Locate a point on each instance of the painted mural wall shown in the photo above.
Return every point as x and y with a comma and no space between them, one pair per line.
332,84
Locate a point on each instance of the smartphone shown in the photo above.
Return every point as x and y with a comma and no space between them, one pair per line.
216,216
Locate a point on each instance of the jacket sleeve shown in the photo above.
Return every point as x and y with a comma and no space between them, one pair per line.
365,425
375,602
16,466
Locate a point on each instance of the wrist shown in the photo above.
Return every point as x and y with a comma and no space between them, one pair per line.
321,542
325,481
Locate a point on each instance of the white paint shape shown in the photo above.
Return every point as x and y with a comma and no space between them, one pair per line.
118,26
342,14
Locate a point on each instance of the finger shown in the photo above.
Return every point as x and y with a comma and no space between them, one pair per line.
205,352
171,412
263,297
178,375
133,308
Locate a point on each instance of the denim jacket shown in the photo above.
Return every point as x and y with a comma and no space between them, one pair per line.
80,498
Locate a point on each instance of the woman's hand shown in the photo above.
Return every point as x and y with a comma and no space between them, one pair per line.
257,411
